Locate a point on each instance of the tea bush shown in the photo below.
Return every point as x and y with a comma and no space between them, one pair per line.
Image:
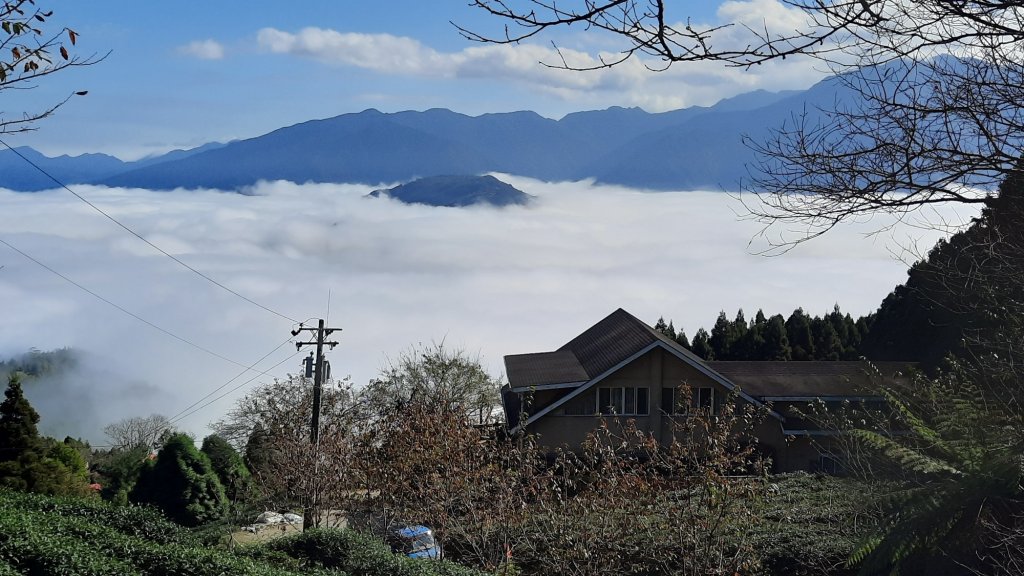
363,554
42,536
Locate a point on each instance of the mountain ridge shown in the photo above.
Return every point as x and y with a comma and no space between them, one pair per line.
685,149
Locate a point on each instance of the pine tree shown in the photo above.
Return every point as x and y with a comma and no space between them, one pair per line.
30,462
20,445
776,341
228,466
19,434
666,329
682,340
755,342
182,483
721,337
701,345
826,342
798,330
741,348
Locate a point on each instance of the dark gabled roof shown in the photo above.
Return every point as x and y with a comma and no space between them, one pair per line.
600,347
810,379
615,338
544,368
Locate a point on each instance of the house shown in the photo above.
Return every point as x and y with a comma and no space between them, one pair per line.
621,368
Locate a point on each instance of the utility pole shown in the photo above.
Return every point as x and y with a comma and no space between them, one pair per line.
310,519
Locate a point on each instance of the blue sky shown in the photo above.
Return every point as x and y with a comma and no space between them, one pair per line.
182,74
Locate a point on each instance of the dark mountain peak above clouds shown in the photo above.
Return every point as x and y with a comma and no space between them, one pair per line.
456,191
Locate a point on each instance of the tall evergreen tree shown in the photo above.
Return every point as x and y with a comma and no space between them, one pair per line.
701,345
722,337
776,341
826,342
228,466
20,445
19,434
666,329
798,330
182,483
682,340
30,462
754,341
740,348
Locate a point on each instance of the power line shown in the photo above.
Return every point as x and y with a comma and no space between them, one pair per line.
123,309
140,237
237,376
211,402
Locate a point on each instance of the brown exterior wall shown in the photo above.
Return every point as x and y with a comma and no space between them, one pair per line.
657,370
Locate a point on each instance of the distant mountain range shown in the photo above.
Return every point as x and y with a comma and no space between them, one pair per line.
456,191
687,149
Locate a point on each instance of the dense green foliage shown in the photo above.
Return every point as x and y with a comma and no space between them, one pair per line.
959,453
966,296
38,363
834,336
117,470
44,536
810,524
361,554
181,482
31,462
19,434
228,466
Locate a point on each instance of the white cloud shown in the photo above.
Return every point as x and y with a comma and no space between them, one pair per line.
629,83
494,281
203,49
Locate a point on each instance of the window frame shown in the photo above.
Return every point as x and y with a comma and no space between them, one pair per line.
695,403
618,401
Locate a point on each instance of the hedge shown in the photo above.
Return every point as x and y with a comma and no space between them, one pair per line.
361,554
42,536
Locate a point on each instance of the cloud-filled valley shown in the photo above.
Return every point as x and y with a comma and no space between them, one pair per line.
492,281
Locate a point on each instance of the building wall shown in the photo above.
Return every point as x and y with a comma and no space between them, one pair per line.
658,370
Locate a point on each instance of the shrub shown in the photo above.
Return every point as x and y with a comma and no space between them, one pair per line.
363,554
42,536
181,482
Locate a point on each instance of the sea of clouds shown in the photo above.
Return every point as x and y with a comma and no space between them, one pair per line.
490,281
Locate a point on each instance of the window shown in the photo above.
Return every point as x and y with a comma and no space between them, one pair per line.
700,398
703,398
582,405
626,401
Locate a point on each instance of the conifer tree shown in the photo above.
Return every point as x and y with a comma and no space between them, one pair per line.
826,342
798,330
682,340
721,337
701,345
228,466
20,444
740,345
666,329
19,434
182,483
776,341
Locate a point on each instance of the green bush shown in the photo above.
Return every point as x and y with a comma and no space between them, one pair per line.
139,521
42,536
362,554
182,483
811,523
